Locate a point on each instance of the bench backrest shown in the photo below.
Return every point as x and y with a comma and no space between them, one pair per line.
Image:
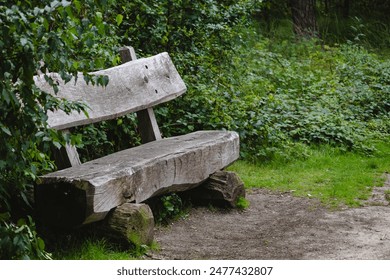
133,86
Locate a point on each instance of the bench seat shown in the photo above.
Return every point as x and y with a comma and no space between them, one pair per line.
86,193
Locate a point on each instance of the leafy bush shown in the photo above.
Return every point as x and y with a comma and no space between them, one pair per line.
107,137
181,26
37,36
282,96
167,207
20,241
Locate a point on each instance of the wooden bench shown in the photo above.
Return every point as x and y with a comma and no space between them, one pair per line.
85,193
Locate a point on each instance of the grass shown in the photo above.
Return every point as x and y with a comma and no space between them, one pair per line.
242,203
86,244
336,178
92,249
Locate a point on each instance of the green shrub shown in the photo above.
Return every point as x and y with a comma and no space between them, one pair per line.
38,36
280,97
167,208
20,241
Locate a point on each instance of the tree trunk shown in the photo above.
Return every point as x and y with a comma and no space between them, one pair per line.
326,4
346,9
304,18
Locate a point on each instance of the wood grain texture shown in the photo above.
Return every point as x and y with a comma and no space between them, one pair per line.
147,123
169,165
132,86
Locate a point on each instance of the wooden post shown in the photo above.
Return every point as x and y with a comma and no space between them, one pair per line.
147,123
127,54
66,156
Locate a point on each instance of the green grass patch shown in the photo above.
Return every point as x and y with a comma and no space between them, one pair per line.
93,249
101,249
336,178
85,244
242,203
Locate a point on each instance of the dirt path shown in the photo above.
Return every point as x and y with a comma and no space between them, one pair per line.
280,226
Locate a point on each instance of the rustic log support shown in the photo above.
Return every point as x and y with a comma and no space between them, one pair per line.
222,188
130,224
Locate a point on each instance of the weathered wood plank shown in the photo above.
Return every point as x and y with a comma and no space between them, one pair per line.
133,86
147,123
169,165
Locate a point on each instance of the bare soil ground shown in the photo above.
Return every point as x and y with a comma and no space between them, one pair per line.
281,226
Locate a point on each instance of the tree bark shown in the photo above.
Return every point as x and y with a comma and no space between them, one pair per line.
326,4
346,9
304,18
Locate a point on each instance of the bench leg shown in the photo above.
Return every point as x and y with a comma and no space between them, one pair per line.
130,224
223,188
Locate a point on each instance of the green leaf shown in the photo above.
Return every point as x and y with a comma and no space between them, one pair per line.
39,134
5,216
77,5
57,144
21,222
99,15
119,19
65,3
23,41
105,80
40,244
54,3
6,96
25,199
6,130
